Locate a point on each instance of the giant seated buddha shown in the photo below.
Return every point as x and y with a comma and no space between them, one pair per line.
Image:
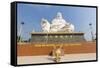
58,24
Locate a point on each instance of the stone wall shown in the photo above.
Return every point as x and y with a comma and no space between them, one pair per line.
28,49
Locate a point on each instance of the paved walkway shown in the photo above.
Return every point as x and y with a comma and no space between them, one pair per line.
49,59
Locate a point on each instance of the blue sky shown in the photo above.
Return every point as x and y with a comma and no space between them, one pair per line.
32,14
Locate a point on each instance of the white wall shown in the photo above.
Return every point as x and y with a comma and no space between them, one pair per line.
5,34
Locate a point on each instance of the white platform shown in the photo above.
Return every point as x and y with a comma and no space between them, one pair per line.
49,59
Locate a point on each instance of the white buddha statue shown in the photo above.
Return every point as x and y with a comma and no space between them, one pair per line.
58,24
45,25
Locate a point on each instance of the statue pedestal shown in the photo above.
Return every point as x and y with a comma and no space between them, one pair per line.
56,37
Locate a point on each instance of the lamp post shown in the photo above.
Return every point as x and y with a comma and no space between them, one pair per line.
92,37
20,31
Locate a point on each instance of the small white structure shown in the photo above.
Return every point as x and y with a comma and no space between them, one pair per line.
58,24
